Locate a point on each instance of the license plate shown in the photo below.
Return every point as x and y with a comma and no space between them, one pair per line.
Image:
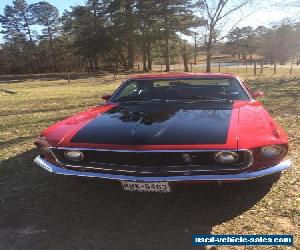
146,186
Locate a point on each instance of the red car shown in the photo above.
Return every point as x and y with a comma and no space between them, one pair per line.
159,129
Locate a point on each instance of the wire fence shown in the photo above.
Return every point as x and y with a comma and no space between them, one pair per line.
255,68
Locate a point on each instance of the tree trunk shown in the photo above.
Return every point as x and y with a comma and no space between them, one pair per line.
195,48
167,53
144,58
184,57
130,33
95,63
291,68
27,28
208,50
130,55
54,67
149,56
208,60
91,65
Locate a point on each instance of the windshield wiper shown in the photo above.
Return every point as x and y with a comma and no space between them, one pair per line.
133,100
214,98
201,99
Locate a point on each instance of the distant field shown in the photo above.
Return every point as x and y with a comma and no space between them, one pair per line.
39,103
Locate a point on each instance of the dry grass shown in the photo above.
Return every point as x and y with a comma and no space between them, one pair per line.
38,104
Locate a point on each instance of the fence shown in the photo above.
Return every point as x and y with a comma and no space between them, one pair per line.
254,68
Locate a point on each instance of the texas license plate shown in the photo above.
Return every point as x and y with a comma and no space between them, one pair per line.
146,186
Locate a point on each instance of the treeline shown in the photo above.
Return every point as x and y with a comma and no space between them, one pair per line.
112,33
277,44
116,34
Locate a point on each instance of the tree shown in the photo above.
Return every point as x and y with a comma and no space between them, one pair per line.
11,23
215,12
243,41
176,16
17,22
184,54
280,43
24,14
123,27
47,16
88,34
148,30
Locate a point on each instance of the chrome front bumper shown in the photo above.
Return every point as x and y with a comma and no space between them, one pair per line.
229,177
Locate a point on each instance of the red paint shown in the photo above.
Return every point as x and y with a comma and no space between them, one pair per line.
251,127
60,131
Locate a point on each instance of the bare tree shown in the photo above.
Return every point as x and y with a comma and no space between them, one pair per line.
215,11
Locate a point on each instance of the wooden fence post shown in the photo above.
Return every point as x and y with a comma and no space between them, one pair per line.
275,68
254,69
291,69
261,67
68,73
219,68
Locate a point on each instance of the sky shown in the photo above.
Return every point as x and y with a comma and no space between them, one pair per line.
264,12
60,4
267,13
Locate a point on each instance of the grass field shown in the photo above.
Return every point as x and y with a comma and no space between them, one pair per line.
37,104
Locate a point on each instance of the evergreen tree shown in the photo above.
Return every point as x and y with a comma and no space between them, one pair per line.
47,16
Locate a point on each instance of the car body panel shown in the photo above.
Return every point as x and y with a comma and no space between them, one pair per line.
157,124
250,126
207,126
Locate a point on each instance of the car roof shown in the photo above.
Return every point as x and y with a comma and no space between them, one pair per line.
183,75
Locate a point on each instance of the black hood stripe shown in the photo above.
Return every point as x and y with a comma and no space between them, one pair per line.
153,124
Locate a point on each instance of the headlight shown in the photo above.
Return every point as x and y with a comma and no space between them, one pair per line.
42,143
74,155
226,157
272,151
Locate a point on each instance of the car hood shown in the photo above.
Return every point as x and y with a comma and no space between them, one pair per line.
167,126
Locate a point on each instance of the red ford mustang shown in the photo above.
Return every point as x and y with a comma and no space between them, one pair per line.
160,129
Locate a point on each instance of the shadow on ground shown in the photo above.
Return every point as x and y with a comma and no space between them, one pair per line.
45,77
63,76
39,210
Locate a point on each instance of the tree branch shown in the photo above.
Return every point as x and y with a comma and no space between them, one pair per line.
234,9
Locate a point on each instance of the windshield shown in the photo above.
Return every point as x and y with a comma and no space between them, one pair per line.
180,90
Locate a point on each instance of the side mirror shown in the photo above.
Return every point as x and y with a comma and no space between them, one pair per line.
106,97
257,94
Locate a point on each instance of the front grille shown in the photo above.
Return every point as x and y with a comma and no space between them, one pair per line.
153,163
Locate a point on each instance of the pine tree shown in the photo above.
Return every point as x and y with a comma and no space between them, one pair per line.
47,16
